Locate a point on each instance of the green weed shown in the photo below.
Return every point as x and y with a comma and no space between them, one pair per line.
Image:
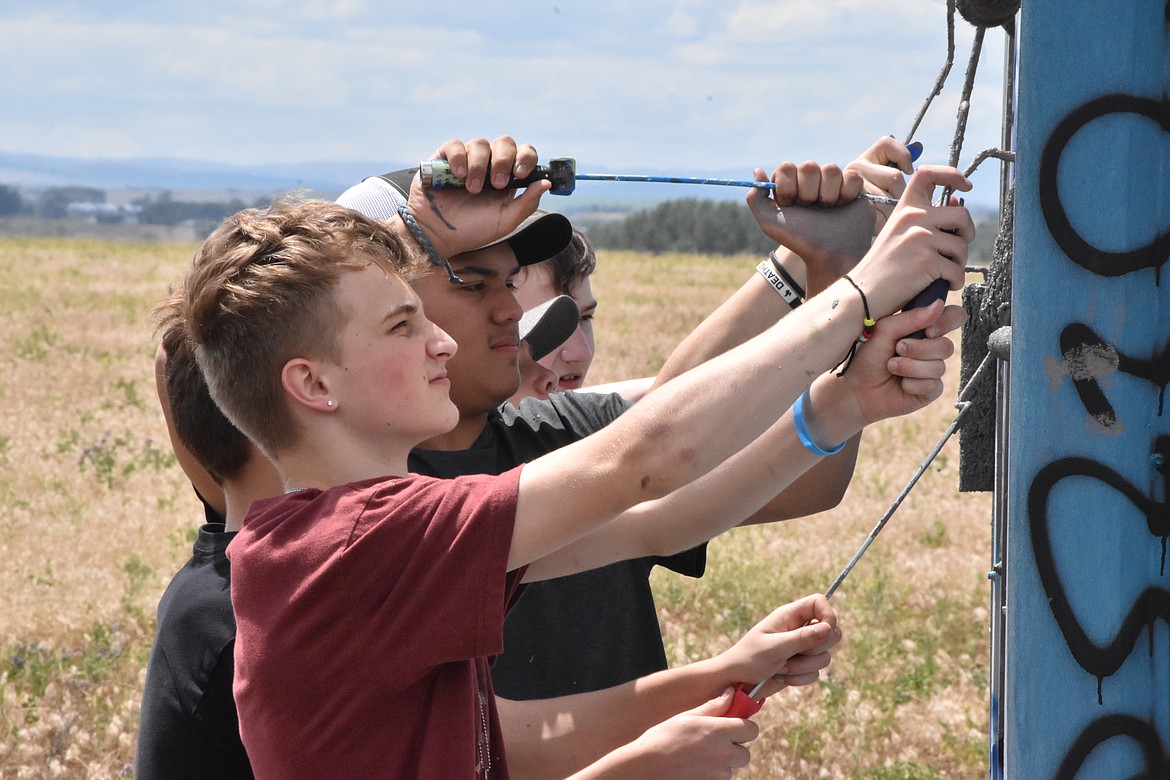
138,575
36,345
936,537
113,458
901,770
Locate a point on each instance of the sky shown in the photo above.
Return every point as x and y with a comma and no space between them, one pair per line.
687,87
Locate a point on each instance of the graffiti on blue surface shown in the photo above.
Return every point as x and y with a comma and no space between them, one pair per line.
1099,660
1099,498
1089,359
1100,261
1155,762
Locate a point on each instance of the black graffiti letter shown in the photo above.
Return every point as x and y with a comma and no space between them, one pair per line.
1080,251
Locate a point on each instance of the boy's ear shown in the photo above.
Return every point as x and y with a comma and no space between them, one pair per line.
307,384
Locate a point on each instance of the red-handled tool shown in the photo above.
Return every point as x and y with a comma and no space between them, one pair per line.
745,704
742,704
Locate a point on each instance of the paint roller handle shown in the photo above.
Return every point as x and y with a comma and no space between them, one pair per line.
937,291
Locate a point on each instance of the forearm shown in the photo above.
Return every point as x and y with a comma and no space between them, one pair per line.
553,738
818,489
688,427
774,478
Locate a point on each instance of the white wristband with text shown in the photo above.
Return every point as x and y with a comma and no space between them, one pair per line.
790,296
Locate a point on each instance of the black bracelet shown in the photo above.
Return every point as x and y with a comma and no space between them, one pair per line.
787,277
417,231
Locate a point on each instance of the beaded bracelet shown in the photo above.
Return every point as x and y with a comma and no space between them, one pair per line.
867,326
802,429
417,231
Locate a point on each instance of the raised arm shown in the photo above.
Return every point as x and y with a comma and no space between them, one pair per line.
742,490
828,252
684,429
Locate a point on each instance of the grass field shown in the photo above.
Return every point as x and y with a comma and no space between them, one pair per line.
97,517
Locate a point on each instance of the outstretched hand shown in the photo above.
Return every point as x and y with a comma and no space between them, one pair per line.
699,744
830,240
814,211
461,220
920,243
789,647
882,167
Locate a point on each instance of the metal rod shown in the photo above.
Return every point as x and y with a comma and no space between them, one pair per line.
964,108
759,185
963,405
1009,109
942,76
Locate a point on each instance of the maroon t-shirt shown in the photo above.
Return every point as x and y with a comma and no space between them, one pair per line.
366,617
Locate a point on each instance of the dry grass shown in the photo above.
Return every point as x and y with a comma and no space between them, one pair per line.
97,518
906,697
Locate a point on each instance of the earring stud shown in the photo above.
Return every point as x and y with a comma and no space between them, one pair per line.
329,403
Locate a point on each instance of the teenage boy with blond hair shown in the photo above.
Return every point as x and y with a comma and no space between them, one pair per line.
367,601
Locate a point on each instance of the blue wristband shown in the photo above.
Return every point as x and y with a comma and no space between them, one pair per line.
802,429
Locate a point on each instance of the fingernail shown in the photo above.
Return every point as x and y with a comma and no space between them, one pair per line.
520,171
915,150
499,180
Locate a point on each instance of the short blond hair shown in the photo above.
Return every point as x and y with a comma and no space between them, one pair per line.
261,291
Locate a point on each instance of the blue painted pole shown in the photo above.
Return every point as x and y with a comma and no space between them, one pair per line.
1087,658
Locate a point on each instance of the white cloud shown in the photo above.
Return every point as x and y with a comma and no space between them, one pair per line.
684,85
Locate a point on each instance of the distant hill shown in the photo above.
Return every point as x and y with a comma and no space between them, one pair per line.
32,173
36,172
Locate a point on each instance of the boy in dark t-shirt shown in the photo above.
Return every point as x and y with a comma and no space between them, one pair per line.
597,629
188,726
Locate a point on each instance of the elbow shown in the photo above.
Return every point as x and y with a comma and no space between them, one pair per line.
830,499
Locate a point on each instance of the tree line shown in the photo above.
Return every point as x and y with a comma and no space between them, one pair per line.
687,225
721,228
73,201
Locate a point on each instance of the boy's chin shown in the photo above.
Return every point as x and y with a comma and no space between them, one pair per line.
451,418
